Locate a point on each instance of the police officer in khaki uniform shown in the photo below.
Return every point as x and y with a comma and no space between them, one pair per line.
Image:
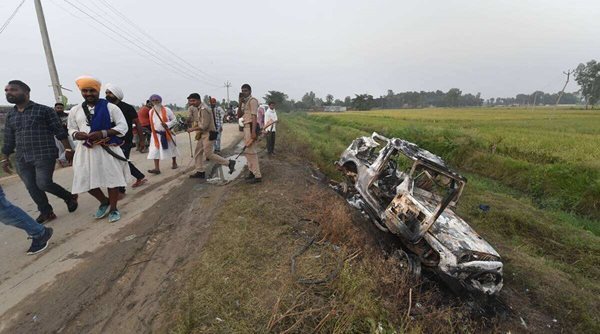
248,110
203,121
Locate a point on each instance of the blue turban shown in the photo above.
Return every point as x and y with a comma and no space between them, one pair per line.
154,97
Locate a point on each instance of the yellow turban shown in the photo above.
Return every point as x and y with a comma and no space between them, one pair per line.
88,82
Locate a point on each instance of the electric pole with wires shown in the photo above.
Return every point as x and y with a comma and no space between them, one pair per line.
227,85
48,49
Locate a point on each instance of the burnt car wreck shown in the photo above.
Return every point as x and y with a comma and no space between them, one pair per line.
412,193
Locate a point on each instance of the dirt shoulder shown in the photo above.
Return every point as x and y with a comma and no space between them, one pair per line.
103,276
117,288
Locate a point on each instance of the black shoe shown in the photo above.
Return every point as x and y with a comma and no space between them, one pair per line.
250,176
231,166
198,175
72,203
45,217
39,244
255,180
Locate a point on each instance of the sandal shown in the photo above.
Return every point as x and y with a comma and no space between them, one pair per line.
154,171
139,183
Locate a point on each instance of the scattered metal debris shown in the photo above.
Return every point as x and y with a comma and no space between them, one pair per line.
412,193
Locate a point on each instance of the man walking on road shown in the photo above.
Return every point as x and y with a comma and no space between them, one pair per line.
115,96
162,142
219,114
248,110
30,130
270,120
99,161
62,115
208,133
60,111
144,118
14,216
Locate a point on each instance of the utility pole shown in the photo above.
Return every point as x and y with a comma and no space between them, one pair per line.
48,49
227,85
568,74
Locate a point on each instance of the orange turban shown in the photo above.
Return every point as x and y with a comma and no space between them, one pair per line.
86,81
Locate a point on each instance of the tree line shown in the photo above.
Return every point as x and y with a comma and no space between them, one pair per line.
586,75
452,98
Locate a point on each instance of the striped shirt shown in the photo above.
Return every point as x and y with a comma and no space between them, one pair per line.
31,133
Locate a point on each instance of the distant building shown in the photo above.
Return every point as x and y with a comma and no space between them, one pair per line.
334,108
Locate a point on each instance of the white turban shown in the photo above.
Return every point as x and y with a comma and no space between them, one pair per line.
116,91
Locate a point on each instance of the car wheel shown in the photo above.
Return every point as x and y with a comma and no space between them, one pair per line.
409,261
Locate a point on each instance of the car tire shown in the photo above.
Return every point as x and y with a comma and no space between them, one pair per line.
409,261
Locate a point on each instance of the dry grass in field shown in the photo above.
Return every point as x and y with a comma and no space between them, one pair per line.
242,282
539,243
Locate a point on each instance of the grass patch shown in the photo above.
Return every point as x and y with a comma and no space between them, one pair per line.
242,282
552,155
551,256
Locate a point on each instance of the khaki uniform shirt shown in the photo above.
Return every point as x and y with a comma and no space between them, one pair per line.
197,115
194,115
207,122
250,108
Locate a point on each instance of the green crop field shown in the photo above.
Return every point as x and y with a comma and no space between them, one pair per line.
539,170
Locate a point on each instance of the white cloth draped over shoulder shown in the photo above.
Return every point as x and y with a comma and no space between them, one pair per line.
93,167
159,152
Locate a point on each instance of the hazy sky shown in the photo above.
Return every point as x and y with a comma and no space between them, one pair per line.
498,48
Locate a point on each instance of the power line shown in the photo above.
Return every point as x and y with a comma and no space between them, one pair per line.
178,59
11,17
123,43
116,11
143,37
159,51
162,50
132,42
66,9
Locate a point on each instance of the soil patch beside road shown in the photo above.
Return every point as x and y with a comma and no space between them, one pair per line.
118,288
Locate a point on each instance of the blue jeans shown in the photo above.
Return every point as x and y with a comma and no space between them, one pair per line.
14,216
217,144
37,176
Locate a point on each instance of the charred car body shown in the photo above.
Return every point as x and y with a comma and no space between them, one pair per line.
411,192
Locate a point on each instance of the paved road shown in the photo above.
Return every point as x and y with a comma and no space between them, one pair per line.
76,234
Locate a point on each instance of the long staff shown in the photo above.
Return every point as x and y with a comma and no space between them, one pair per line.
253,140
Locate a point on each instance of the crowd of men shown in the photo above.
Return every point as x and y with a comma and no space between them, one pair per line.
96,139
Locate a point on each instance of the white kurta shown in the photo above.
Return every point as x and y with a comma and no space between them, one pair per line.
93,167
159,152
270,117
